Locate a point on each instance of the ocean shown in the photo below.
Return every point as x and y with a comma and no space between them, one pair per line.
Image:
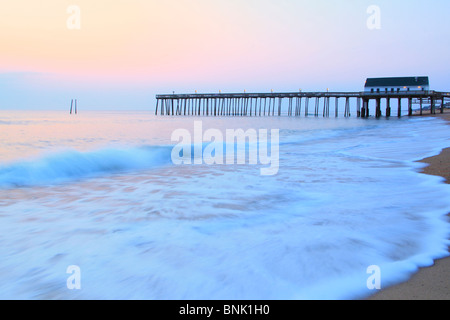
92,206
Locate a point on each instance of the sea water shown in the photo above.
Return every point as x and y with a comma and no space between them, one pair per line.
99,191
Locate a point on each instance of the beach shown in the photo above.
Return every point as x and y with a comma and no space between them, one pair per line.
432,283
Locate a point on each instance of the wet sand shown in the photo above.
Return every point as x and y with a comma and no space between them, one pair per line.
432,283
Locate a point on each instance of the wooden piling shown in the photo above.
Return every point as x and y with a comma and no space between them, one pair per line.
363,109
358,107
388,107
336,107
316,107
378,108
347,107
410,111
306,106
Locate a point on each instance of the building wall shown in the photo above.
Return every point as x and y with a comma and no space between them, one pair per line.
395,89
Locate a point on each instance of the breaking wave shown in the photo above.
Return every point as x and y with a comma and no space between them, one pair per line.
74,165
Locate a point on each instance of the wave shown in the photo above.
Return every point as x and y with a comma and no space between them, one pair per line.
73,165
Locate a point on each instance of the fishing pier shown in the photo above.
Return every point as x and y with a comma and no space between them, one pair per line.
301,103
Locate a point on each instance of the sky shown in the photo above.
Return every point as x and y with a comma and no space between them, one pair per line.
118,54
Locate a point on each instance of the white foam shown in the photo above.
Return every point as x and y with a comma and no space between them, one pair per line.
347,196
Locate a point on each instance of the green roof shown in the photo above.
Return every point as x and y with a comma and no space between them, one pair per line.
397,82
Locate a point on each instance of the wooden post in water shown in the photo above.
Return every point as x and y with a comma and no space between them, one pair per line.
294,108
324,111
442,105
328,107
306,106
388,107
260,106
232,106
316,108
290,107
399,110
253,106
274,102
347,107
279,106
300,106
358,107
336,108
265,102
246,101
363,109
378,108
410,112
366,110
243,106
325,107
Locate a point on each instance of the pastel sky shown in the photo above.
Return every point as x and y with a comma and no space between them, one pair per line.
127,51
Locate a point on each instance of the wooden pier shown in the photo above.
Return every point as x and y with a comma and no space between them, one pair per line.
298,103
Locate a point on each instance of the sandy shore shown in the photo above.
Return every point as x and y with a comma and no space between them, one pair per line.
431,283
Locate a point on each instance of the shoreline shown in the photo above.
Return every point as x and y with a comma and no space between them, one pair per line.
430,283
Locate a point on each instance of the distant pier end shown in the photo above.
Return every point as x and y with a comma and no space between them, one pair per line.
414,89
